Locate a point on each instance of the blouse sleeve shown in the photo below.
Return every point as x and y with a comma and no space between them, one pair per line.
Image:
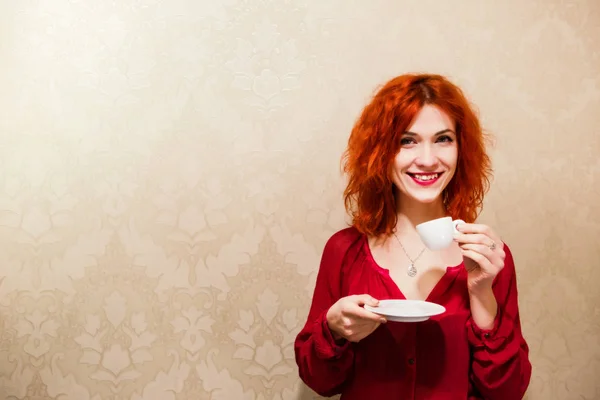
500,356
324,364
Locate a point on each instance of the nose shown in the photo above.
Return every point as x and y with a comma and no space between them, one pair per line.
426,158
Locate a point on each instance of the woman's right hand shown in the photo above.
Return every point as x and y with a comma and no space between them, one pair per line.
349,320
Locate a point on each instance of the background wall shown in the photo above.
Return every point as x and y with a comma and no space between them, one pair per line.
169,174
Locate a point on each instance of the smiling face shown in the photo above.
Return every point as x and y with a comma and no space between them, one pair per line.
427,158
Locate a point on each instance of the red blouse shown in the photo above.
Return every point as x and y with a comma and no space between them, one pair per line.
446,357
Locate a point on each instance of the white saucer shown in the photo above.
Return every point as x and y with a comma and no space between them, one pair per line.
406,310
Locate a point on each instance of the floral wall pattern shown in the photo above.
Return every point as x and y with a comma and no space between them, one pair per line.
169,174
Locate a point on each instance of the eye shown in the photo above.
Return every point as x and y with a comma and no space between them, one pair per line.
407,141
445,139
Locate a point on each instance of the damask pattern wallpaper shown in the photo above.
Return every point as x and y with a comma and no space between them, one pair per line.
170,172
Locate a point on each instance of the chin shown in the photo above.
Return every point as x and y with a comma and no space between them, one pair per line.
424,195
427,199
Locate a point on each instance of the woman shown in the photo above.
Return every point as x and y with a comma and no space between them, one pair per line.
416,153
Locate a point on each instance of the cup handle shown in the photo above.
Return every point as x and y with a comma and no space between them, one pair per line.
457,222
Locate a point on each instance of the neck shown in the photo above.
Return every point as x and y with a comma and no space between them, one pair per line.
412,212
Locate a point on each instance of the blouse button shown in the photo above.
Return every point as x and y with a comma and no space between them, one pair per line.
486,335
411,361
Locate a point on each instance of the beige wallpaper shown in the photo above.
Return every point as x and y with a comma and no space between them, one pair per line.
169,173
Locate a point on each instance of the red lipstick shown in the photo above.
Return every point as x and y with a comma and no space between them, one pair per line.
425,182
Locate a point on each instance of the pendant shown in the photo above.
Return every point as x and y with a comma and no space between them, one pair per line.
412,271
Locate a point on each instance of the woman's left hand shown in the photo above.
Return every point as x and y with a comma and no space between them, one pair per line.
484,254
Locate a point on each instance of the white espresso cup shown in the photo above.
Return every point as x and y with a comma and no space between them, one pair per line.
438,233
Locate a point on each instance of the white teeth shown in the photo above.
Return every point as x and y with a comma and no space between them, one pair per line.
426,177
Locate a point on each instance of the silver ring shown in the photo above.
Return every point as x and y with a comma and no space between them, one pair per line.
492,246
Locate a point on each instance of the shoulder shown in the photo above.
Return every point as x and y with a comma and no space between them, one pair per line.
344,237
342,241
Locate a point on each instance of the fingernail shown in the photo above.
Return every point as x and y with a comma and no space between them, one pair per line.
383,320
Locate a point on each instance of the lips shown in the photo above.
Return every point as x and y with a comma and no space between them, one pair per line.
425,179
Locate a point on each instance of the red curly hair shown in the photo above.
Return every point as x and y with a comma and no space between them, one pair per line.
374,142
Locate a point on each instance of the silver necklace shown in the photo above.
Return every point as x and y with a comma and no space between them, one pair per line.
412,270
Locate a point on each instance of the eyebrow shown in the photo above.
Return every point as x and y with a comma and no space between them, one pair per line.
409,133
